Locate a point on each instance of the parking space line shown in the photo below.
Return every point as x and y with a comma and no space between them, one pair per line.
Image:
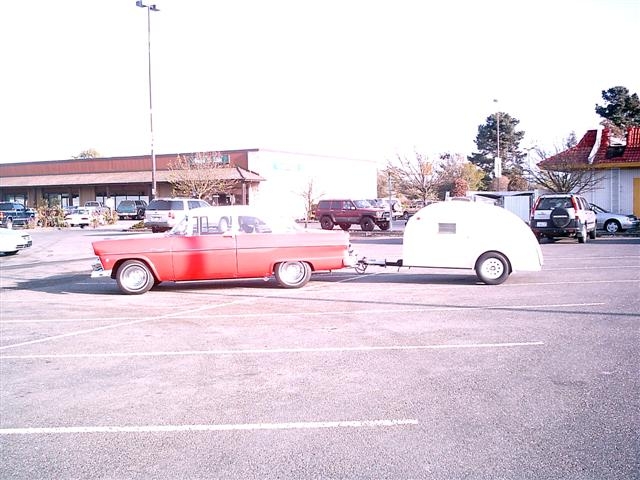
258,351
426,308
211,427
120,324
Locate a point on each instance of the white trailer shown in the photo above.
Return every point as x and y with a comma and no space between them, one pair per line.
467,235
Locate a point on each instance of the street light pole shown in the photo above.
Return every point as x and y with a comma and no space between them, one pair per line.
498,160
150,8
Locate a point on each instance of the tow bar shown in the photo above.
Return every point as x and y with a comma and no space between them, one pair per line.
364,262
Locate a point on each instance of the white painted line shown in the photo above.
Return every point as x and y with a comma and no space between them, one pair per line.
179,315
210,428
120,324
259,351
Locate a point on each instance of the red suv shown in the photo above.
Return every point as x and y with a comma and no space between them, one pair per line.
346,212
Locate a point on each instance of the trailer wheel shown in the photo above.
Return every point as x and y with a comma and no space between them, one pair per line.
492,268
326,223
292,274
367,224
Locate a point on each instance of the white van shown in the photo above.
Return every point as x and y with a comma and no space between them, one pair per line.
467,235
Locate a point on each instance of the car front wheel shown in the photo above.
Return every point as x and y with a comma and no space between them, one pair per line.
134,277
292,274
492,268
367,224
612,226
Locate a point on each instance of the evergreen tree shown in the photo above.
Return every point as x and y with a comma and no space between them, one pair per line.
508,149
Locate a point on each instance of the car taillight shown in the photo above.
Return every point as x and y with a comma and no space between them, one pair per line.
575,207
535,206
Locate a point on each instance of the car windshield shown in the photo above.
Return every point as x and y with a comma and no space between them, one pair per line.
363,204
166,205
214,222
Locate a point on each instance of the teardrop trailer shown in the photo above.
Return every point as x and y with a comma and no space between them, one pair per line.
485,238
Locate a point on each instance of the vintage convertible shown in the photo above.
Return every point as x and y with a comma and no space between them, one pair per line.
224,242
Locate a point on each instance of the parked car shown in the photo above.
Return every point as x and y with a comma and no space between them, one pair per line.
563,215
614,222
222,243
81,217
131,209
12,240
14,214
396,206
346,212
163,214
96,206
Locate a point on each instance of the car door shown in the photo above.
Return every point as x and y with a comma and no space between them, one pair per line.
257,247
202,252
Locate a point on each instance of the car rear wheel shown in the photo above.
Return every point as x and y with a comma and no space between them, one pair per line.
492,268
134,277
612,226
326,223
292,274
582,236
593,234
367,224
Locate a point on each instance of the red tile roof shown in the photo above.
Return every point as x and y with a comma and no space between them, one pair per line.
607,155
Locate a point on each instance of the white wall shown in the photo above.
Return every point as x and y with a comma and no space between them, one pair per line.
615,192
288,174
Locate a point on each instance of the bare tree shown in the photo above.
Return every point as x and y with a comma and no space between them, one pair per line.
201,175
414,176
310,198
564,176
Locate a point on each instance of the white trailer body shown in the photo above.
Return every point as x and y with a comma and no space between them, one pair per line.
468,235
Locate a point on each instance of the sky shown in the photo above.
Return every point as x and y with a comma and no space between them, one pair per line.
355,78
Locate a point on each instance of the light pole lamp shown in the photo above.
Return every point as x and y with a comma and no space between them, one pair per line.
150,8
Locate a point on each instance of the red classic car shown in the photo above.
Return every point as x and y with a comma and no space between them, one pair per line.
222,243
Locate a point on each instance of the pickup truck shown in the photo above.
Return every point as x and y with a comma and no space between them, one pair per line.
14,213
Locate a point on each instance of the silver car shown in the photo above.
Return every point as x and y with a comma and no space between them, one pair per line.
614,222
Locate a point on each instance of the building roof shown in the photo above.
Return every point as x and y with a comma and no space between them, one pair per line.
232,173
596,149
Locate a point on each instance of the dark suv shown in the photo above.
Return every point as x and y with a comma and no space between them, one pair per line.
346,212
563,215
131,209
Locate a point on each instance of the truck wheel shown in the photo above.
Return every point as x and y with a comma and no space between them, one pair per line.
367,224
9,223
292,274
326,223
492,268
134,277
593,234
345,226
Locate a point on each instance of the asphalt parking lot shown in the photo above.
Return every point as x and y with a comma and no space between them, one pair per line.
391,374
